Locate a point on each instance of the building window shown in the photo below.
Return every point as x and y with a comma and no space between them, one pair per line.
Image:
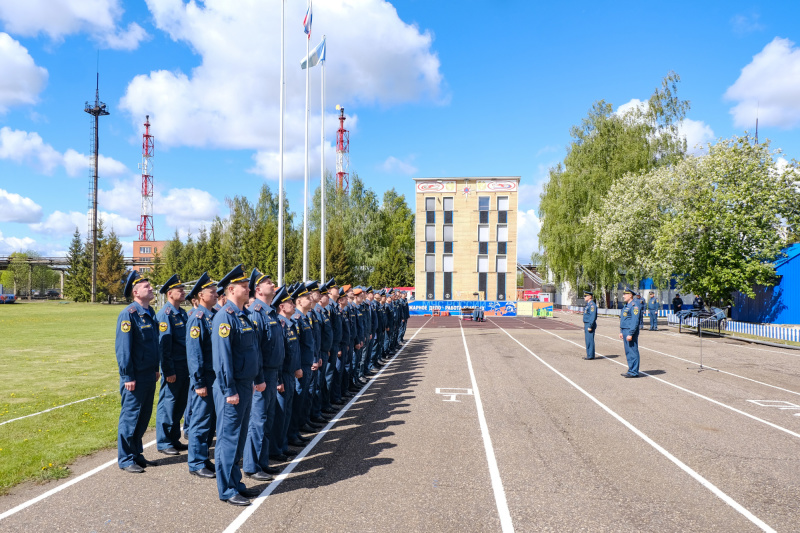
483,263
145,259
501,286
430,233
429,289
501,264
502,247
448,210
430,210
483,208
145,250
502,233
502,210
430,247
447,233
482,278
483,239
144,269
448,247
447,267
430,263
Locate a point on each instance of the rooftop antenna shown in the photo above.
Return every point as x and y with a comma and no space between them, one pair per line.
97,110
758,104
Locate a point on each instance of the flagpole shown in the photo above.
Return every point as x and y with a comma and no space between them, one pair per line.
322,174
280,166
305,181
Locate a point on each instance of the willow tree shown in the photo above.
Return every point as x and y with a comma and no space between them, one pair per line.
605,147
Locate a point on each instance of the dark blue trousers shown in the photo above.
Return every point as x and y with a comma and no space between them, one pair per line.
653,320
301,388
335,377
589,337
632,353
231,436
314,392
262,414
202,426
172,400
134,416
279,434
327,371
403,330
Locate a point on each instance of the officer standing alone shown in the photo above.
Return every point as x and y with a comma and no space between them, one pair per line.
653,306
629,333
589,323
136,347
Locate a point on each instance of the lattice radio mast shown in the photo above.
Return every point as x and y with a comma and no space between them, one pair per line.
342,154
145,227
97,110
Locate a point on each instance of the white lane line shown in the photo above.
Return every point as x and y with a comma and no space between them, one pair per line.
494,472
58,489
261,498
693,363
703,481
54,408
716,402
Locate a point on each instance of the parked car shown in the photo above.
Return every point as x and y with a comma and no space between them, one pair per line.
52,293
7,299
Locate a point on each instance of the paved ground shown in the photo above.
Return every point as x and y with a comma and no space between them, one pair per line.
538,440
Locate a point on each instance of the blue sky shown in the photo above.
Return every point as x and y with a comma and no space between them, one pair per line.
431,89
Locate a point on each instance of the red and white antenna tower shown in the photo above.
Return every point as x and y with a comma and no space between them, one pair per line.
342,154
145,226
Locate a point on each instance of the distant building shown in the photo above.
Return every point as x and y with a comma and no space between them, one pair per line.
144,253
466,238
778,304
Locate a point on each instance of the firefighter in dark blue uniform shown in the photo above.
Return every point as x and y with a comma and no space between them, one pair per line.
262,413
342,392
290,371
174,392
589,323
332,371
237,366
202,426
305,332
321,404
136,347
629,333
653,305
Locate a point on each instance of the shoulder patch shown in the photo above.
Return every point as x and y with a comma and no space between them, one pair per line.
168,310
162,327
224,330
230,311
132,310
257,307
125,326
199,314
194,332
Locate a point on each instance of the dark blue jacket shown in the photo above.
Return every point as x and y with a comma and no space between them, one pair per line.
305,333
136,343
629,319
291,346
198,348
590,314
172,339
234,345
271,336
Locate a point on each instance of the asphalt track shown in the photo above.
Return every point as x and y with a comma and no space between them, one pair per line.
537,439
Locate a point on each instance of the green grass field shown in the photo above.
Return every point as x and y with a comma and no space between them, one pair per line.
53,353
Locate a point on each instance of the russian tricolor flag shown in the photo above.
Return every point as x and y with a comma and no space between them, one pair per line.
307,22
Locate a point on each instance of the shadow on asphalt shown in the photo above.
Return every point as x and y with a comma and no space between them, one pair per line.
350,450
654,372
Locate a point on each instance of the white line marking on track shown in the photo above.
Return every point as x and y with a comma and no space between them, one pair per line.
716,402
261,498
703,481
54,408
494,472
58,489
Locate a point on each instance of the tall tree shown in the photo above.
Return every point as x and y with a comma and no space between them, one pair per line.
111,266
76,279
605,147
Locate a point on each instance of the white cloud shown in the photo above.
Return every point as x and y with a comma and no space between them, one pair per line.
267,162
634,103
16,208
744,24
188,209
60,18
125,197
767,88
22,80
61,225
528,226
9,245
392,165
697,134
29,147
230,100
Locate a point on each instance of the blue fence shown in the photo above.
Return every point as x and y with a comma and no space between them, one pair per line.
490,308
